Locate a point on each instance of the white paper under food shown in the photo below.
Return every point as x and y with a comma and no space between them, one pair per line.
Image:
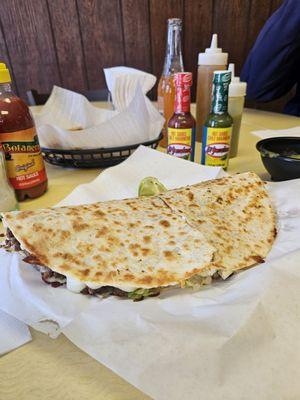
122,181
237,339
13,333
26,297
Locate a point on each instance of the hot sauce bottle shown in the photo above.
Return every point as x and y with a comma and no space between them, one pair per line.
218,125
181,126
24,161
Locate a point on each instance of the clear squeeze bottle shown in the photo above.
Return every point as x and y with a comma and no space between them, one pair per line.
237,93
218,125
212,60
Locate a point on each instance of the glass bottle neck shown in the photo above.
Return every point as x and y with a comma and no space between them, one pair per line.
5,87
173,58
182,99
220,98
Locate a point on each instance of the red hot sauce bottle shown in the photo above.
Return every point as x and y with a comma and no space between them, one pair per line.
24,161
181,126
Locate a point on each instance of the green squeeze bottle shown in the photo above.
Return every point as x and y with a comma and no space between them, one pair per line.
218,124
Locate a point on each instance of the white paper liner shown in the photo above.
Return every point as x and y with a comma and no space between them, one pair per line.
233,340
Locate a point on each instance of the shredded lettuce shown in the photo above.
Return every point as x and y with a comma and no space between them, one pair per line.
196,281
140,294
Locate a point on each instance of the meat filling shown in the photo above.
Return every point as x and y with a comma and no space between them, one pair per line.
105,291
30,259
54,278
11,243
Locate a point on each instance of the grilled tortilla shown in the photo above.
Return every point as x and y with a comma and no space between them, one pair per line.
234,214
128,244
134,247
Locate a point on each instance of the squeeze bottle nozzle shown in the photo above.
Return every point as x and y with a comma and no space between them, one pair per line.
213,55
236,87
213,45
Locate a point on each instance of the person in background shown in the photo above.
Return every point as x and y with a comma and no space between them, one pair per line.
272,67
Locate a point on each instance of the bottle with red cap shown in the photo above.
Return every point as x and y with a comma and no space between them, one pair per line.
181,126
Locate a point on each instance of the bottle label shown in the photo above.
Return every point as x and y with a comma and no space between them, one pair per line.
180,142
216,146
182,99
24,161
220,92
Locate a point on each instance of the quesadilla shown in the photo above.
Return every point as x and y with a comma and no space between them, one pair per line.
136,247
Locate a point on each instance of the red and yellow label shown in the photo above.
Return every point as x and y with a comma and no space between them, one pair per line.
180,142
24,161
215,146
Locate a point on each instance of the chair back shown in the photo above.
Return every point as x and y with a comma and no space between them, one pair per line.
36,99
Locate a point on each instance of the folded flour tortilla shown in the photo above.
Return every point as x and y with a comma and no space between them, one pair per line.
135,247
234,214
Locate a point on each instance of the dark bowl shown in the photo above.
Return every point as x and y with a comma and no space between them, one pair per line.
276,154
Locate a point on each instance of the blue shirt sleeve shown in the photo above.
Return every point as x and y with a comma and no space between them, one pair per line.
272,67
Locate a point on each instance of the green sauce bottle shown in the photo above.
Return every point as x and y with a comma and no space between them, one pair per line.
218,125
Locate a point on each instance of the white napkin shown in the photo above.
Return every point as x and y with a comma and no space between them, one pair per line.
270,133
226,341
122,83
65,111
13,333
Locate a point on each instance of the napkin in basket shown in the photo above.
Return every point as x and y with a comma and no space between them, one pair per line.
69,121
122,83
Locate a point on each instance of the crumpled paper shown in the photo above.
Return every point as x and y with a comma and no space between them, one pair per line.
122,83
13,333
69,121
232,340
271,133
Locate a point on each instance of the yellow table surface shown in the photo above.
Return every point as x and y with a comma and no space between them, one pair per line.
56,369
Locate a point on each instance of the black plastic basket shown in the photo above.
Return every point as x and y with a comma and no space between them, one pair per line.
93,158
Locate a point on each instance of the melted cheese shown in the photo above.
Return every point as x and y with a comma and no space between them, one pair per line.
76,286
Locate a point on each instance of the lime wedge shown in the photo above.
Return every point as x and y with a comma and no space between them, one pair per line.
151,186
